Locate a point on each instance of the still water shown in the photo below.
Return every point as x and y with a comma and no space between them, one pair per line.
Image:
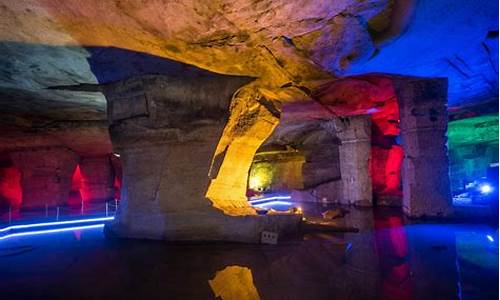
389,258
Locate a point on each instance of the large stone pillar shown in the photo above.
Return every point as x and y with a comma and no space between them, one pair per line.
97,178
46,175
354,155
166,131
426,185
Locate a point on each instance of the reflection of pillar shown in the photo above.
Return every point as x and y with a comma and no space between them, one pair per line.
426,185
97,178
46,175
234,282
354,151
392,251
166,131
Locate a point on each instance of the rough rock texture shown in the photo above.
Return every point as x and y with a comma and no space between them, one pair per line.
385,165
426,183
336,151
252,120
167,158
456,39
278,170
56,55
354,154
319,148
10,185
46,175
473,146
97,178
61,42
68,42
86,138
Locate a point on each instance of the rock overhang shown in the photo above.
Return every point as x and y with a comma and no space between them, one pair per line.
302,43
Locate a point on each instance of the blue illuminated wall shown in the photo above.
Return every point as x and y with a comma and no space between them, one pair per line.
457,39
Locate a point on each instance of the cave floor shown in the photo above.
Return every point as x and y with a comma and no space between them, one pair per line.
390,258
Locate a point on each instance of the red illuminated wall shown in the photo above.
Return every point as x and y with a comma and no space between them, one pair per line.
374,95
10,186
117,185
78,193
386,155
75,196
117,169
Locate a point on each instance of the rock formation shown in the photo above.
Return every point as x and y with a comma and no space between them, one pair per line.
186,92
46,175
173,187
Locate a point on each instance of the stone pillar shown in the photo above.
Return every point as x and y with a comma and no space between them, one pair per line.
166,131
426,185
97,178
46,175
354,153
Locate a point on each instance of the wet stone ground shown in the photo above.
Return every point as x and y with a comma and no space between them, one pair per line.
389,258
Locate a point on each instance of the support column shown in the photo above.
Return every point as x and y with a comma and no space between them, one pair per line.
354,152
46,175
426,185
97,178
166,131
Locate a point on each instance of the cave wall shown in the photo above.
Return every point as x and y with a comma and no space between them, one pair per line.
52,50
36,177
414,108
97,179
46,175
374,95
336,154
276,171
473,146
10,184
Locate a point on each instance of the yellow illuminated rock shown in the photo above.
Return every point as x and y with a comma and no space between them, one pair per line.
234,283
249,125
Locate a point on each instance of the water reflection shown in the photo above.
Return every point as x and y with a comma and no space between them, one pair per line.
234,283
391,247
387,259
477,264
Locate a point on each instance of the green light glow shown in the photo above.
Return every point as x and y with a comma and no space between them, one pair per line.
261,175
473,146
476,130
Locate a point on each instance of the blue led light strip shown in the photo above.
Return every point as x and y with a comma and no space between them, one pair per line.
270,198
50,231
22,226
273,203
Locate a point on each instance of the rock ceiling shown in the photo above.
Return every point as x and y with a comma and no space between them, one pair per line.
282,43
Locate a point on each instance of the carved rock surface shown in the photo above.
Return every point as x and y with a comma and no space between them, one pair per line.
167,132
46,175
